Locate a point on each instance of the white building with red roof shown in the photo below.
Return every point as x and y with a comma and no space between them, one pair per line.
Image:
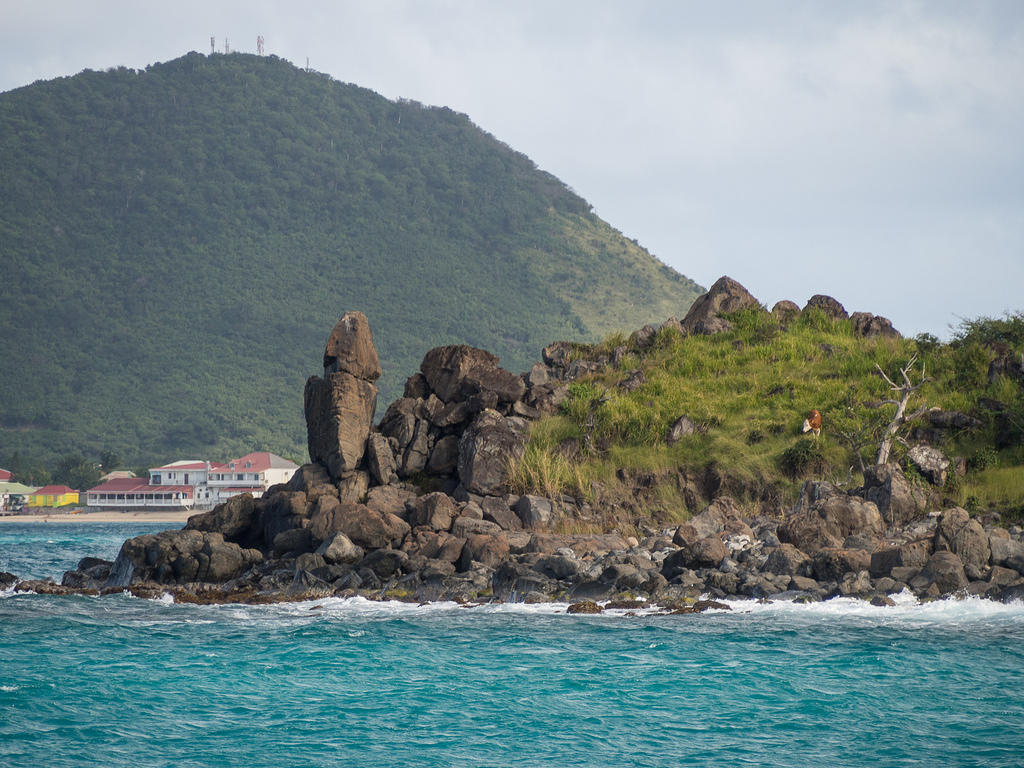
193,483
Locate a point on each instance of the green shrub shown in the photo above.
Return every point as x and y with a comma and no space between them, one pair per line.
803,458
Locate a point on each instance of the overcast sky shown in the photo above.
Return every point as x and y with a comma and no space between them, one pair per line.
868,150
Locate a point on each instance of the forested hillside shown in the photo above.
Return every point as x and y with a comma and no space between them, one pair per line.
176,243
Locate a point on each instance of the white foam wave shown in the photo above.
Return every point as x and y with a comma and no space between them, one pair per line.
952,610
8,688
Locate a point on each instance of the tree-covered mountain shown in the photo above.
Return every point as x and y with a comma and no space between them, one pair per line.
176,243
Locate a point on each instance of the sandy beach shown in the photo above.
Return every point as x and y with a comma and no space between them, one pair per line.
170,516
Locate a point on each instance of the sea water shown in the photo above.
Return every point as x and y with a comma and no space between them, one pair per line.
124,681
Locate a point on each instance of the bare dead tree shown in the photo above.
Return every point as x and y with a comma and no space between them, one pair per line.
905,391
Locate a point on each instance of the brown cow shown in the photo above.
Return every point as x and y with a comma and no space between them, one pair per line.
813,422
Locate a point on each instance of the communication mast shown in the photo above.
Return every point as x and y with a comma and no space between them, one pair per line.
213,44
259,45
227,48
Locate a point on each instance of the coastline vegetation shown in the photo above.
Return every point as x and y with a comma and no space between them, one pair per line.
748,390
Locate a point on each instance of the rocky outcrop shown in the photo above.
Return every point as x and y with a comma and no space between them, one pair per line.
828,305
872,326
486,453
180,557
421,508
350,349
930,462
889,489
724,297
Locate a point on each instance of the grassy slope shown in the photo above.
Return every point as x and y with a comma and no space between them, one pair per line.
751,388
176,244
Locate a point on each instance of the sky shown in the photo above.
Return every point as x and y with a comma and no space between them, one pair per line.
871,151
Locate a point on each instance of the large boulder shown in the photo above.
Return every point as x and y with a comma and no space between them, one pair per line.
724,297
712,520
180,557
339,415
831,563
958,533
488,449
285,510
434,510
363,526
235,519
944,571
458,372
1007,552
913,554
380,459
872,326
897,500
930,462
787,559
828,521
828,305
490,549
350,348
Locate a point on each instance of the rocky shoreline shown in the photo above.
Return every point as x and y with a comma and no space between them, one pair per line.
418,508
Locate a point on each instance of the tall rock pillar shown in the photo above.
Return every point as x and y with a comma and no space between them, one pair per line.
340,406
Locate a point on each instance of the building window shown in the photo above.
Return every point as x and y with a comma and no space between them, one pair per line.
155,480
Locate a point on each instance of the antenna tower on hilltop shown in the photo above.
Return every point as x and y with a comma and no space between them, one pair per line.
259,45
213,44
227,48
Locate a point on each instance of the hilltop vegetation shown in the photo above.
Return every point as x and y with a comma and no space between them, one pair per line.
747,391
174,242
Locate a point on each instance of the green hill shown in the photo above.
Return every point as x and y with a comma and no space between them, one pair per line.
176,243
747,392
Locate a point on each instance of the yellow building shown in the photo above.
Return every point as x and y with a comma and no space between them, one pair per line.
53,496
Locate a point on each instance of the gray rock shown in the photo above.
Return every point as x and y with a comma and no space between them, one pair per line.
434,510
339,414
930,462
339,549
829,521
444,458
487,450
713,518
828,305
1007,552
235,519
963,536
832,564
943,570
489,550
724,297
786,311
180,557
353,486
350,348
535,511
388,499
911,555
873,326
466,526
497,511
682,427
296,540
787,559
897,500
385,563
364,526
380,459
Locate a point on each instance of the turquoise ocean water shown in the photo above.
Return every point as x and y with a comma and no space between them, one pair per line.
123,681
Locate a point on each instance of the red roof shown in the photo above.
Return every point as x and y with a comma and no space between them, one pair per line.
5,475
53,490
259,461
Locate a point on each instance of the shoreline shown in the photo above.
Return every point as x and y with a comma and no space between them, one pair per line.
169,516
